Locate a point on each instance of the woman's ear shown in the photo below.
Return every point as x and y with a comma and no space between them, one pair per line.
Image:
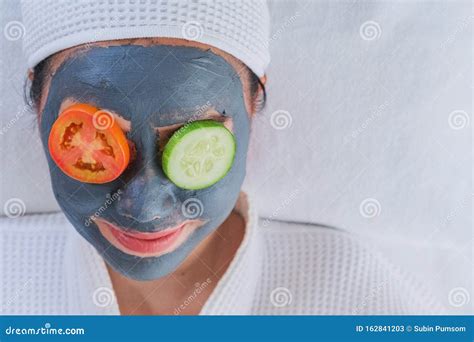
259,96
31,74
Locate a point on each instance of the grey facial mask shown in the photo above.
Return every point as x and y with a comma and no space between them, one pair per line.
152,87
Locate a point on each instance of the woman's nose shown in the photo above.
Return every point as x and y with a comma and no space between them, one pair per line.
147,197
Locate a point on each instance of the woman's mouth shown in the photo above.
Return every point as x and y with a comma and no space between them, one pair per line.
147,244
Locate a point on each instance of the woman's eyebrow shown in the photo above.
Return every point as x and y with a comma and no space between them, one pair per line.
165,132
208,115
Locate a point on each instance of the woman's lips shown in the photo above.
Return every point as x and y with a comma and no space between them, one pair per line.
147,244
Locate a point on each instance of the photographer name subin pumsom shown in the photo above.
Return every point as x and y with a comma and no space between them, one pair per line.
438,328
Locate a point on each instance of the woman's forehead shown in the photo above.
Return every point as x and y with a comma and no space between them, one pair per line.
149,47
169,80
59,58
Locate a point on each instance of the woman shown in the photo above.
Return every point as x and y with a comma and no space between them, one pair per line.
144,111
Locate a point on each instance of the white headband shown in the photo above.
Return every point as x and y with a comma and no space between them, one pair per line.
238,27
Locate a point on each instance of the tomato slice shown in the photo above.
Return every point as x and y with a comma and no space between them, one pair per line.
88,145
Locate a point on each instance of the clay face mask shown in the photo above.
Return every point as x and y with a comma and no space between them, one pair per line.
143,224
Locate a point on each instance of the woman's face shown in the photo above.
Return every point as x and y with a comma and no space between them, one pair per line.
152,91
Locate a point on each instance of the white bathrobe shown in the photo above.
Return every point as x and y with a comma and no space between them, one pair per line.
280,268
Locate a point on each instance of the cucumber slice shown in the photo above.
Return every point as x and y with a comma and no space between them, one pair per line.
199,154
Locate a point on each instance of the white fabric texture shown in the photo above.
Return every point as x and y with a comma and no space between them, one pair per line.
238,27
280,268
